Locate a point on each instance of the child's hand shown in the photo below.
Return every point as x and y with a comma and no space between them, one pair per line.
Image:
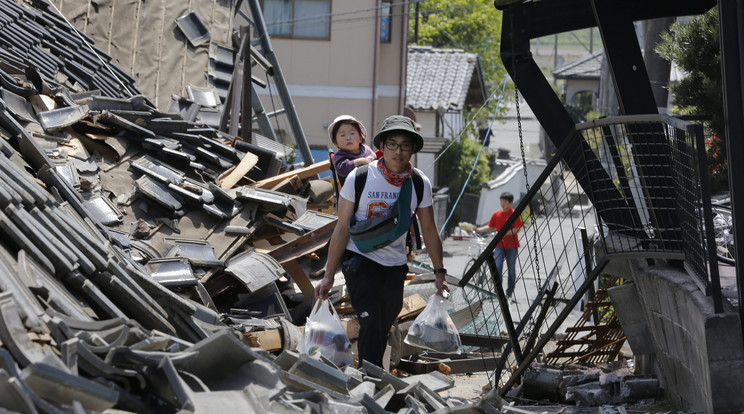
362,161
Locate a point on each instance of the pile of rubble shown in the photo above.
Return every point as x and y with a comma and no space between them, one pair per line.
139,250
612,383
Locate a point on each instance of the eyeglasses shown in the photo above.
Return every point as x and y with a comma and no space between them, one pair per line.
404,147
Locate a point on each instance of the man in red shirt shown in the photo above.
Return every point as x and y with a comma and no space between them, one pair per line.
507,247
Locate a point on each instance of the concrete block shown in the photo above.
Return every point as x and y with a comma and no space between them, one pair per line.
634,389
726,379
628,307
542,383
573,378
588,395
722,342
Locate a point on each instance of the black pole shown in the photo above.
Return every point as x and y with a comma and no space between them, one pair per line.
415,26
731,21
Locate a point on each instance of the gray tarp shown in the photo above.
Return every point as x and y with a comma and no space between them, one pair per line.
144,40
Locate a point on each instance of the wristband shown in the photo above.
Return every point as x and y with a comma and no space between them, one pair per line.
440,270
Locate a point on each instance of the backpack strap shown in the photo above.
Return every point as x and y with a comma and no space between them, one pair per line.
418,185
360,180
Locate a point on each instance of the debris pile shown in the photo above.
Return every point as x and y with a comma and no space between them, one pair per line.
141,251
611,383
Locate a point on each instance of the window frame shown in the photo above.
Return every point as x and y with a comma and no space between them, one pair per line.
386,15
292,24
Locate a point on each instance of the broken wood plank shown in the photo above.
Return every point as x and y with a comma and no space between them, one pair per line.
290,185
412,306
300,278
229,178
305,244
271,340
301,173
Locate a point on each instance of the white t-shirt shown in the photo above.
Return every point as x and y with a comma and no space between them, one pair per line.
377,198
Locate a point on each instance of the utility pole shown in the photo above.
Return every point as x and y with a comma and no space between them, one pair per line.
415,26
591,40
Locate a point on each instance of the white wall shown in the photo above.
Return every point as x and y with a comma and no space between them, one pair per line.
512,181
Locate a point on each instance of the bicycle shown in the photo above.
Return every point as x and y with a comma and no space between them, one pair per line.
724,235
475,248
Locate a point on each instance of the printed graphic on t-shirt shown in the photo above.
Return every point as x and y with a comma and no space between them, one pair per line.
376,209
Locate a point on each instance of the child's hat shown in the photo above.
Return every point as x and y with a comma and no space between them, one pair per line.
340,118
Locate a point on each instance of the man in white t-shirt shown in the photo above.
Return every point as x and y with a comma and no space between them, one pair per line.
375,279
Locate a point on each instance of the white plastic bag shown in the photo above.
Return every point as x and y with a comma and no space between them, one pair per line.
325,335
433,329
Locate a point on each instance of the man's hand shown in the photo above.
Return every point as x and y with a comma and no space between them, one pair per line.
441,285
325,285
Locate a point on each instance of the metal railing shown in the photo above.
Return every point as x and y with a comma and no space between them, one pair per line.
634,191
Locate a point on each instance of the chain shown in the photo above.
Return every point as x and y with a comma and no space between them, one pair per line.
527,186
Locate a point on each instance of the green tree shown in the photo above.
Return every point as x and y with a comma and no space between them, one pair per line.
695,48
470,25
456,164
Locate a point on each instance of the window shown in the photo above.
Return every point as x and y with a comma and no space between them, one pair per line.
309,19
385,21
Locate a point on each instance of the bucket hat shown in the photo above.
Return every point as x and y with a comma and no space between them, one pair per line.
362,129
400,123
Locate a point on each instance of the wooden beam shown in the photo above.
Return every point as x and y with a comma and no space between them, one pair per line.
305,244
300,278
412,306
229,178
271,340
302,173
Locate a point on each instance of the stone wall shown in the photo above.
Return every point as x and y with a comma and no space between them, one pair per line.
700,354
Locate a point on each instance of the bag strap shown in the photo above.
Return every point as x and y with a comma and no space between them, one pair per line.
360,180
418,185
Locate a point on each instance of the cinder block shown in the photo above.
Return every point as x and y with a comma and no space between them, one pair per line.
726,379
723,342
627,304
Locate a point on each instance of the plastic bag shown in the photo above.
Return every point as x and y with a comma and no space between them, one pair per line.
433,329
325,335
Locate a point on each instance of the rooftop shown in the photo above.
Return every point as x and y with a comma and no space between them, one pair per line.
443,78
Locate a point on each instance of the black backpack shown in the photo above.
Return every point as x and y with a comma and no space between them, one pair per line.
418,184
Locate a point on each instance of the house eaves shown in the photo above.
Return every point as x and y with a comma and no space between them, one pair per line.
443,79
585,68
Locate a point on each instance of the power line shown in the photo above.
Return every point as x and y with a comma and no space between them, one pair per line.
323,17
